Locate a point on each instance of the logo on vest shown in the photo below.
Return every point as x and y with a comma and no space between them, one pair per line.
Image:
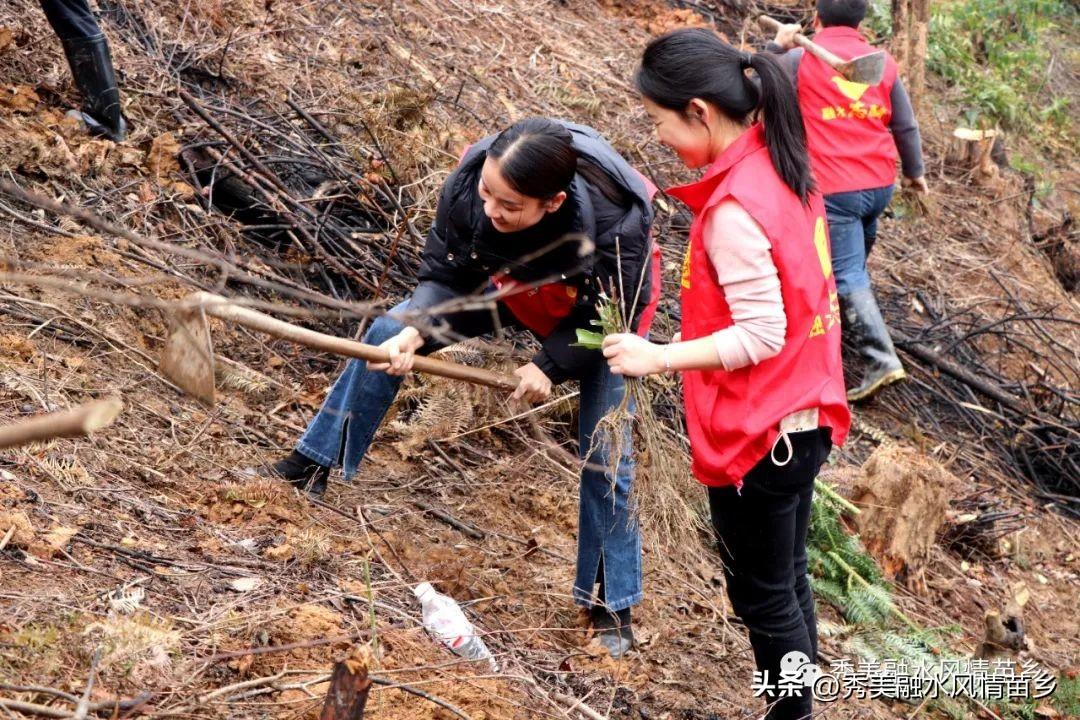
685,281
853,90
825,323
821,242
857,109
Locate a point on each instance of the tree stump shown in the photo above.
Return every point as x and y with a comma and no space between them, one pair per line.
972,151
348,693
1005,631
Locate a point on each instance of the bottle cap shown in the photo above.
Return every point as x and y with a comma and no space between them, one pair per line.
422,589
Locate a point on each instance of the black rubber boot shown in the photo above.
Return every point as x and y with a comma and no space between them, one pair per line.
302,473
613,629
864,330
92,69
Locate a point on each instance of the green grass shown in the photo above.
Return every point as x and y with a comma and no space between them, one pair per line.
995,56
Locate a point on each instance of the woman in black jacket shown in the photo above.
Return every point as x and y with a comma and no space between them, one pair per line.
540,218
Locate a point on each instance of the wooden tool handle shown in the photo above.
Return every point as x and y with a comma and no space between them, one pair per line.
76,422
804,42
220,307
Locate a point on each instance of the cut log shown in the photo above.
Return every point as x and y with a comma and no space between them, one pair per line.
348,693
1004,636
902,495
77,422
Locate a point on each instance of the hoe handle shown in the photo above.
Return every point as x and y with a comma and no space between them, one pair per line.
220,307
806,43
76,422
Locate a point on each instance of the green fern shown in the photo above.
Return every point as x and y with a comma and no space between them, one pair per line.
860,608
828,590
843,575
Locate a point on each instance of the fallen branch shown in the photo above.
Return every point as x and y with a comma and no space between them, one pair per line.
914,347
450,520
232,654
390,684
47,711
225,267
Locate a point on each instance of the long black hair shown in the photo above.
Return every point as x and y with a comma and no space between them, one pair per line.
695,63
538,159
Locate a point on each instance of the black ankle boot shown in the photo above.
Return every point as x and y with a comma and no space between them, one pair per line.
865,331
92,69
302,473
613,629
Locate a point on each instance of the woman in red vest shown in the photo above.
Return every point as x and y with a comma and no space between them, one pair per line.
760,345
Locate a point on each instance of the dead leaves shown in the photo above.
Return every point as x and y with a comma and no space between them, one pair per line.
161,161
16,530
163,164
18,98
17,347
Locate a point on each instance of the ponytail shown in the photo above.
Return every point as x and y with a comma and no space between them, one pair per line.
785,134
695,63
599,178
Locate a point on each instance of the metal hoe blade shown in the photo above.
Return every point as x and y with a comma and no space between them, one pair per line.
865,69
188,357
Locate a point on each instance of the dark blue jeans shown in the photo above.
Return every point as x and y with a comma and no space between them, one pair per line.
353,410
852,231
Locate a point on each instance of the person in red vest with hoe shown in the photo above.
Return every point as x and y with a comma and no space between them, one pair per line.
854,132
760,343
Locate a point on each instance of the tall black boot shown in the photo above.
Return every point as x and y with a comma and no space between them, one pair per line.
92,69
864,330
302,473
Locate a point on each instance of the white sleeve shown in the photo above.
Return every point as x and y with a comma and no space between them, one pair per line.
741,255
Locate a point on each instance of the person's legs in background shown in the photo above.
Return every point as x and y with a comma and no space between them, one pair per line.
762,539
87,53
609,539
852,230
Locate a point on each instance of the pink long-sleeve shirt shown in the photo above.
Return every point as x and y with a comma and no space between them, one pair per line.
741,255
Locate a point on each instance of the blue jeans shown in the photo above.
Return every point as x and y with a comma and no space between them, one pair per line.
852,231
343,430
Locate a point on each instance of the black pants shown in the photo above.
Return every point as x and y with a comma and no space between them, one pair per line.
762,537
71,19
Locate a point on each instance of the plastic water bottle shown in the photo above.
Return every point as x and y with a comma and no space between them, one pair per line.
448,624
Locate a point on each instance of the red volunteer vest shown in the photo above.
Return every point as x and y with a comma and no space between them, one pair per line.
733,417
541,308
847,123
